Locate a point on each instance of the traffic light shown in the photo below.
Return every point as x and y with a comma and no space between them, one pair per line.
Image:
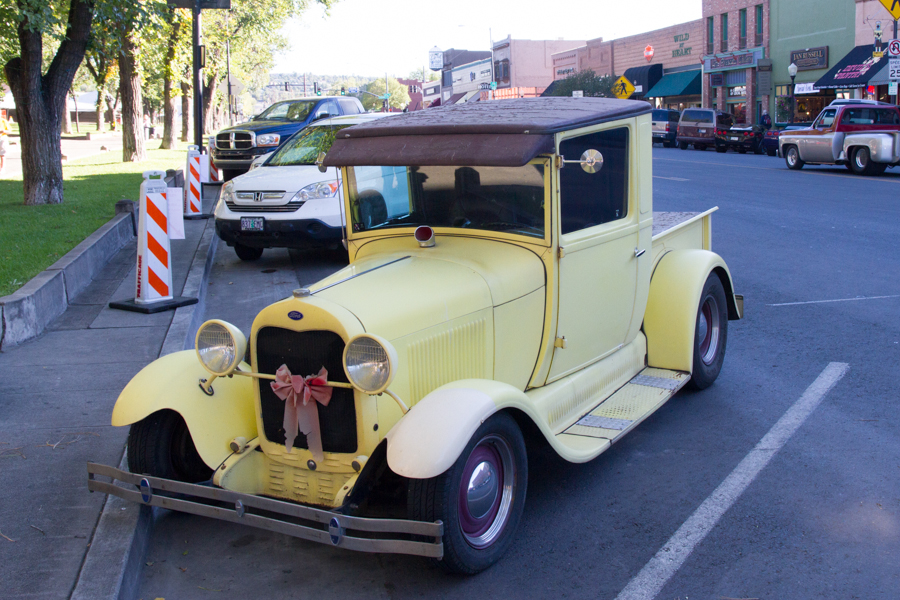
343,91
316,88
384,104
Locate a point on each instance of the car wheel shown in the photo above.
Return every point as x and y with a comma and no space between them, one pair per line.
247,253
721,149
758,148
161,445
668,144
700,147
861,163
479,499
771,151
792,158
683,145
742,150
710,334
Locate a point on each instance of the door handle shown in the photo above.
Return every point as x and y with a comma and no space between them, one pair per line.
638,253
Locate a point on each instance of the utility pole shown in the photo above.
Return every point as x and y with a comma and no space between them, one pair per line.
228,70
198,77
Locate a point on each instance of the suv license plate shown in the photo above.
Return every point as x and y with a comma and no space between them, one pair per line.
734,139
253,223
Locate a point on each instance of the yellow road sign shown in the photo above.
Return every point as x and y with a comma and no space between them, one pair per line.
622,88
893,7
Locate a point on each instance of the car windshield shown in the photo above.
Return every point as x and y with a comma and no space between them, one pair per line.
508,199
304,148
288,111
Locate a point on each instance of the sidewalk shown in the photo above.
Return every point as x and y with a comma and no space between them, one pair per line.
71,148
56,397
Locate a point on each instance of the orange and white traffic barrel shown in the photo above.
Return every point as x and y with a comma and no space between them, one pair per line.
193,188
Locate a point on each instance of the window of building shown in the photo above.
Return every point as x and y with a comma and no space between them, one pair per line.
742,15
724,45
589,199
759,25
782,90
740,90
710,36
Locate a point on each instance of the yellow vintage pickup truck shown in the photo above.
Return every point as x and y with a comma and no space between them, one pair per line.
509,284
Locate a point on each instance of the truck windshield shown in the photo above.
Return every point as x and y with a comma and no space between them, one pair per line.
303,148
287,111
508,199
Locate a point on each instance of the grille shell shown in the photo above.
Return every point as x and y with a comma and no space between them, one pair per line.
235,140
304,353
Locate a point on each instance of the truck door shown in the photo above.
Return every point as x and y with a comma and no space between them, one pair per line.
818,143
598,233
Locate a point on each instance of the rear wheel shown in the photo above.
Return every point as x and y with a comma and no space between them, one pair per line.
792,158
861,163
247,253
479,499
710,333
668,144
721,149
771,151
742,150
700,147
161,445
683,145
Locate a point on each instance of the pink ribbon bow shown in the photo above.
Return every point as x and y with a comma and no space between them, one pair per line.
299,412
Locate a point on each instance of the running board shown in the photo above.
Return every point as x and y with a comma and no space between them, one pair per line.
626,408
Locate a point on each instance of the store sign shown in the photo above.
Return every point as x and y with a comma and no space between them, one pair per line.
855,71
681,50
565,71
649,52
726,62
810,59
435,59
717,79
805,88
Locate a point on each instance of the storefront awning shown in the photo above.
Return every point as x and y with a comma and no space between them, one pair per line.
855,70
643,78
454,98
686,83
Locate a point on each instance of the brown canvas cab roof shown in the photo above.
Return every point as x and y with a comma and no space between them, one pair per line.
503,133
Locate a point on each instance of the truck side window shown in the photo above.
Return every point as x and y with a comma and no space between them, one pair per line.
827,119
589,199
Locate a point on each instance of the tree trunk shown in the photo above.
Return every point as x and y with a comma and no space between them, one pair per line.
77,124
101,90
134,147
168,138
40,100
186,102
209,88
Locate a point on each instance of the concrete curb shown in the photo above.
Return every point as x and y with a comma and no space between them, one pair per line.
119,545
25,313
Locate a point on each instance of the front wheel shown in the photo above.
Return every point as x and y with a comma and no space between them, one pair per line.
710,334
247,253
161,445
479,499
721,149
792,158
683,145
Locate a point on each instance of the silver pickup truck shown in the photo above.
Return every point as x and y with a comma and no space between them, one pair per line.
865,138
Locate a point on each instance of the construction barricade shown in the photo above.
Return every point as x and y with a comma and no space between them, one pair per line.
153,289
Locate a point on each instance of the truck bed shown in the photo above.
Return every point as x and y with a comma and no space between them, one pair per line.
681,231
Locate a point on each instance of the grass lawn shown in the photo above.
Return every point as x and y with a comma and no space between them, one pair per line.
34,237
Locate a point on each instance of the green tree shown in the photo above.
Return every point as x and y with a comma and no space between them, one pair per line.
429,75
399,94
40,93
593,86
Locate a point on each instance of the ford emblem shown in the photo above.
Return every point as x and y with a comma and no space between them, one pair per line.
295,315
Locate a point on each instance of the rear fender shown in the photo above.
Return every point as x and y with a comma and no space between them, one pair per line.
670,320
171,382
432,435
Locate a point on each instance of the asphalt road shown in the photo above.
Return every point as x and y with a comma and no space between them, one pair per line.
811,510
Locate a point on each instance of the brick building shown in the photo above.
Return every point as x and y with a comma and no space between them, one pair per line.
663,65
523,68
736,36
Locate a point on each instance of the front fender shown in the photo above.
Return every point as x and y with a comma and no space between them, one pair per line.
670,320
431,436
171,382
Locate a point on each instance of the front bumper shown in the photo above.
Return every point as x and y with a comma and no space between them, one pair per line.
237,160
745,143
296,233
389,536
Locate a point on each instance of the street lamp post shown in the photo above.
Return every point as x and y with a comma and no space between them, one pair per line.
792,71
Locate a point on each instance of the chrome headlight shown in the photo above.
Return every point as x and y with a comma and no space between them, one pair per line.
323,189
220,347
370,363
228,192
268,139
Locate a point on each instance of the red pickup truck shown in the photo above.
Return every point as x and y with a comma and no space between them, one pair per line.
866,138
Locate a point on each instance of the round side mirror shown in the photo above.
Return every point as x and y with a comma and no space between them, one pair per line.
591,161
320,159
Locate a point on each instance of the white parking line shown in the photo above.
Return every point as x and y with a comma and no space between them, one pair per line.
656,573
670,178
838,300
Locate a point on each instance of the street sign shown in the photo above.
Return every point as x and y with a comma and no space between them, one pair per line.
623,88
893,7
894,69
493,85
892,88
894,48
353,90
578,93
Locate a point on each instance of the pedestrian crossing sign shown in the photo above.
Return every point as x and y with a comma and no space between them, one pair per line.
893,7
623,88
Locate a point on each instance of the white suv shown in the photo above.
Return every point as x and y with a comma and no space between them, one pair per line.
287,202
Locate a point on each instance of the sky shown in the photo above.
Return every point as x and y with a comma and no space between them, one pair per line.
368,38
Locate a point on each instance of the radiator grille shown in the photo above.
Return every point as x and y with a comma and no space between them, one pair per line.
262,208
304,353
234,140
